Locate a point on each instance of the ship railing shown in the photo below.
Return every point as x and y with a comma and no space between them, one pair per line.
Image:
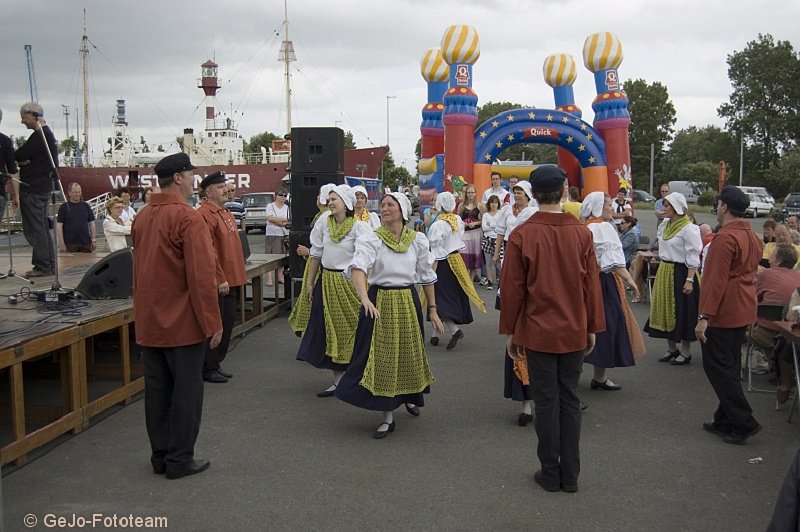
98,204
266,158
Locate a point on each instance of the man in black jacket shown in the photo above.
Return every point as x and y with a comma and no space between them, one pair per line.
8,169
34,193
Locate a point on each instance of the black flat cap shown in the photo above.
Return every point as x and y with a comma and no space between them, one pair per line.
212,179
171,164
547,179
735,199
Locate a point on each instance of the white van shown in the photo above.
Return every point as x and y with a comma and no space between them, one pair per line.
687,188
758,191
255,209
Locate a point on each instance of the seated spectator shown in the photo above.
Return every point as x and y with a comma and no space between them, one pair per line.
774,285
785,357
620,208
793,223
769,231
782,237
638,265
629,239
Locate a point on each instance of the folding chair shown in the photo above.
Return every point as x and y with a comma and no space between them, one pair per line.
767,311
796,399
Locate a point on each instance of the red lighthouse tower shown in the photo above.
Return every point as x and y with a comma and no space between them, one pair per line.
210,84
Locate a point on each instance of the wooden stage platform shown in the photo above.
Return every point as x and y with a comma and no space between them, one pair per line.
41,344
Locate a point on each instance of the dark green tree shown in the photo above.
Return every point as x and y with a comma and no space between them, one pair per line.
68,146
784,176
704,145
257,141
19,141
652,121
349,143
765,104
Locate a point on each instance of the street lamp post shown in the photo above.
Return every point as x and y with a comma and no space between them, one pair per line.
387,118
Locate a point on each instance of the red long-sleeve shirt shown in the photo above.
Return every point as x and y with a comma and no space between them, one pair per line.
174,284
225,238
550,285
728,287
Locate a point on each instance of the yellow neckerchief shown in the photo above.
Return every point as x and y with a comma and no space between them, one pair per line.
401,245
674,227
338,232
450,218
363,216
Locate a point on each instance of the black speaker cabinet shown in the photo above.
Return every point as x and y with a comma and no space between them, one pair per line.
111,278
305,189
317,149
297,263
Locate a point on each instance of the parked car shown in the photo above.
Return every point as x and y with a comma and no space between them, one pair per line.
643,196
758,205
791,205
255,209
689,190
758,191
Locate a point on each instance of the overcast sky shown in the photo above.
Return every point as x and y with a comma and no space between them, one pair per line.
352,54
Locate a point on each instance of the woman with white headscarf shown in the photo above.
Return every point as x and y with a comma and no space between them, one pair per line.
621,343
361,213
298,319
454,288
676,289
330,334
389,367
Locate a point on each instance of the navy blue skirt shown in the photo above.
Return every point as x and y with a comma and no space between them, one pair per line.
513,388
686,306
613,346
451,301
350,389
313,345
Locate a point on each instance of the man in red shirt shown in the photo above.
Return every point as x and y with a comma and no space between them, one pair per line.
230,273
727,306
552,307
174,298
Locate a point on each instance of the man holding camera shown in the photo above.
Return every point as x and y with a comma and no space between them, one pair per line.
34,194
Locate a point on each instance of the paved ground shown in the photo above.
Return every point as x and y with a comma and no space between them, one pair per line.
282,459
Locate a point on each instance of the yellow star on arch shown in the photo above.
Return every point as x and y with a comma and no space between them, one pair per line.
499,144
581,147
483,134
510,137
591,160
487,157
583,127
510,118
565,119
549,118
569,140
532,116
495,123
589,136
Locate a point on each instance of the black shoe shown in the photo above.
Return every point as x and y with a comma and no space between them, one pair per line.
537,477
413,410
299,334
682,361
159,467
327,393
738,438
192,468
569,488
434,340
214,376
523,419
605,385
669,356
224,373
713,428
458,335
380,434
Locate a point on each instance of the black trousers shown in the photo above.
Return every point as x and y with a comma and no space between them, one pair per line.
786,515
722,362
173,401
227,309
554,389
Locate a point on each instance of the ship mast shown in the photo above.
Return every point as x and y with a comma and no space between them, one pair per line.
287,56
85,73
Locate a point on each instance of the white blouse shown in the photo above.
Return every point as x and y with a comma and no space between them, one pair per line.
684,247
489,224
389,268
335,255
607,246
444,240
115,233
507,221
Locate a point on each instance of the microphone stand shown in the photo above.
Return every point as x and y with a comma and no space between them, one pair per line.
54,179
11,271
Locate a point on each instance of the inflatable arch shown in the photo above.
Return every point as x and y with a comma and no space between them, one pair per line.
454,151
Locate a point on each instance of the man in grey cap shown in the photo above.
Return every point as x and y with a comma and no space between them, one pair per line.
8,170
727,307
36,175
